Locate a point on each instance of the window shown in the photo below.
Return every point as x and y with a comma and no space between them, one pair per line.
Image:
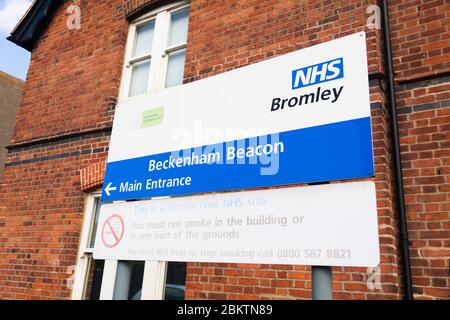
156,51
175,285
89,272
154,60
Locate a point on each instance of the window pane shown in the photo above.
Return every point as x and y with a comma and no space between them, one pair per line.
175,68
178,27
94,224
137,275
139,78
175,281
144,39
94,278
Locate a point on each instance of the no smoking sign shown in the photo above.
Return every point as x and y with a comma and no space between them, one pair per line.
112,231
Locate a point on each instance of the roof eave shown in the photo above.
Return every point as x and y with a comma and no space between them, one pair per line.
33,24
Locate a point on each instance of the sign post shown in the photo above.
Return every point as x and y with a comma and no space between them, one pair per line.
123,278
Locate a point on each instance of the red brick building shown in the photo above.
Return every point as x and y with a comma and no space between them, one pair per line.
57,155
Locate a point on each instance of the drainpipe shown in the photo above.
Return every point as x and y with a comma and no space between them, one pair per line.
402,218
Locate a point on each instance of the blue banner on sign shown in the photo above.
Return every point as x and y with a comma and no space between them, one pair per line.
336,151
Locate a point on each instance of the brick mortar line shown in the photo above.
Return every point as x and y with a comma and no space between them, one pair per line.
424,80
56,156
56,140
423,83
423,107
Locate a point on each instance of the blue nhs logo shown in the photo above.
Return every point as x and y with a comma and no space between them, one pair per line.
321,72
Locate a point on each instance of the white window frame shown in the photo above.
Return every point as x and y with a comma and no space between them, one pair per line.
84,256
159,53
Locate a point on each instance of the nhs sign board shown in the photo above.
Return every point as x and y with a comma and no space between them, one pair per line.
301,117
318,73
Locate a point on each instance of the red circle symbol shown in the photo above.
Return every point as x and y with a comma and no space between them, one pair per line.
112,231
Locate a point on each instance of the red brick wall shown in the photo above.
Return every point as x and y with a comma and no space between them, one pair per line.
425,136
41,215
422,37
224,35
92,176
72,87
74,75
421,45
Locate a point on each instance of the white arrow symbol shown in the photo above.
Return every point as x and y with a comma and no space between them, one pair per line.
109,188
